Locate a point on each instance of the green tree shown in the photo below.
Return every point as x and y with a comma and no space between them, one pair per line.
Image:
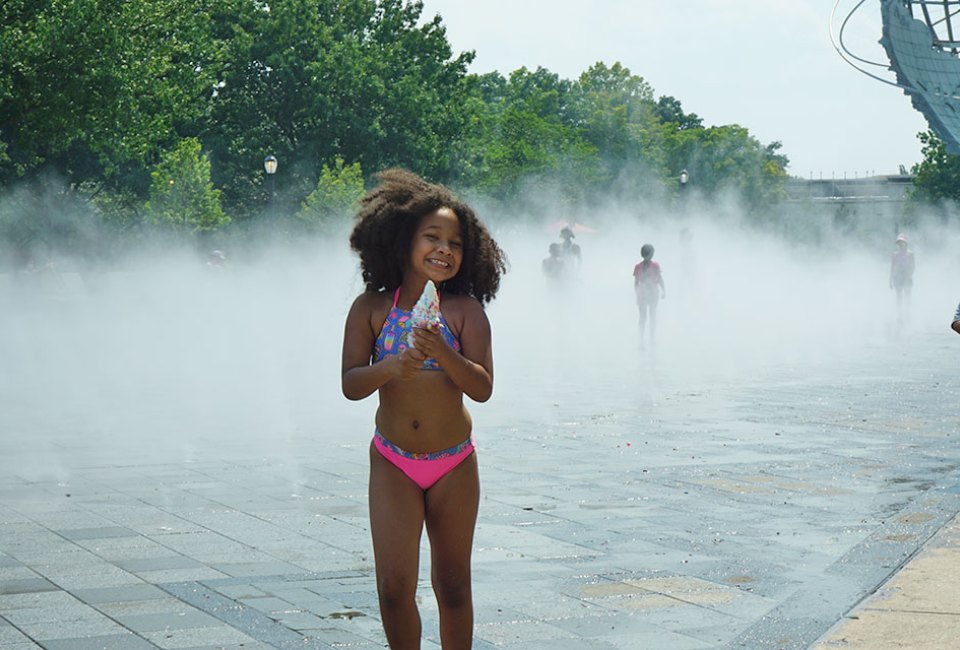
524,137
937,175
309,80
182,196
338,190
615,113
670,111
94,89
724,158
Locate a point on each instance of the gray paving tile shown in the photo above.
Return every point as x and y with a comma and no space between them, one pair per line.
269,605
257,624
18,572
120,549
570,644
35,600
9,635
26,586
201,572
298,621
115,642
60,629
340,638
71,609
167,605
246,645
97,533
205,636
508,634
252,569
181,620
136,592
7,561
240,592
144,565
89,576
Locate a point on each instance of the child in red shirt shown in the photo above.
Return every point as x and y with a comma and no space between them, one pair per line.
649,287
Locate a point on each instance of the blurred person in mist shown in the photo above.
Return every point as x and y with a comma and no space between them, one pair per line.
217,260
553,265
649,288
568,249
956,321
902,265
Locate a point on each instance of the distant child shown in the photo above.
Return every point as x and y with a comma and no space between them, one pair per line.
568,249
956,321
902,265
553,265
649,287
216,259
423,466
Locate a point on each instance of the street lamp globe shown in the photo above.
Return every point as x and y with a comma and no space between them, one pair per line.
684,177
270,165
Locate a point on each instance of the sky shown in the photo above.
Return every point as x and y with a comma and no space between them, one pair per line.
767,65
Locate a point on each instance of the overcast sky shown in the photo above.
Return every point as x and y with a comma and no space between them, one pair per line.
767,65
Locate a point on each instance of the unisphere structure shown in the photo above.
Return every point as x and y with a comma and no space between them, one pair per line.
922,44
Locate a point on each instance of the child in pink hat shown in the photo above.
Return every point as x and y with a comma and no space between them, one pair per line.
902,264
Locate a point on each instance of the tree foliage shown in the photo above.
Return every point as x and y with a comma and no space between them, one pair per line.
338,190
182,197
100,92
94,89
937,175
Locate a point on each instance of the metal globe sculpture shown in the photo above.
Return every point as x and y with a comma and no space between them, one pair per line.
922,41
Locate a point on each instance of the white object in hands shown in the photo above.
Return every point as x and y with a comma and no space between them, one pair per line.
426,313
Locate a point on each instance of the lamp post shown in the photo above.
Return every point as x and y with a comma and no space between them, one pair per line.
270,166
684,178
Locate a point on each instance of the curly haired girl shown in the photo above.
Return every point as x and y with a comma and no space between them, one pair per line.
423,466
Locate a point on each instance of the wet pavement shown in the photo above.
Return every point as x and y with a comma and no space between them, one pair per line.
639,506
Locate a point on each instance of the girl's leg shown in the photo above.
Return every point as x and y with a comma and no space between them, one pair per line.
451,516
396,522
653,320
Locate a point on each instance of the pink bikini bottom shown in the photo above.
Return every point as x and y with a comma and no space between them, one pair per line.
423,469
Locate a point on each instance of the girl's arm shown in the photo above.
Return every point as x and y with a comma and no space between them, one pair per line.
472,369
358,378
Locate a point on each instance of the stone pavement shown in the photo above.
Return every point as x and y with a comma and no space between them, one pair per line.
645,504
919,607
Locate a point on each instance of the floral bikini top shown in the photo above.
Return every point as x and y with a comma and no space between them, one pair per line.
395,333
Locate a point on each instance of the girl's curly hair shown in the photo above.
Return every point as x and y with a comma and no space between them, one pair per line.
385,224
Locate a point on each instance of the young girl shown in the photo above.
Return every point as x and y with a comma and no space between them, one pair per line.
423,468
902,264
649,287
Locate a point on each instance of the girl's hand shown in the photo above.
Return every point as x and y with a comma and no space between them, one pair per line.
408,363
430,342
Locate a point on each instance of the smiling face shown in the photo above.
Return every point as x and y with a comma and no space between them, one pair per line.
436,251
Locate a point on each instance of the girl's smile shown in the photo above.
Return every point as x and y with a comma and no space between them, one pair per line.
437,248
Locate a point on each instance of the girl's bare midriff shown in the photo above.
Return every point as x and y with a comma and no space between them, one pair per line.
423,414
